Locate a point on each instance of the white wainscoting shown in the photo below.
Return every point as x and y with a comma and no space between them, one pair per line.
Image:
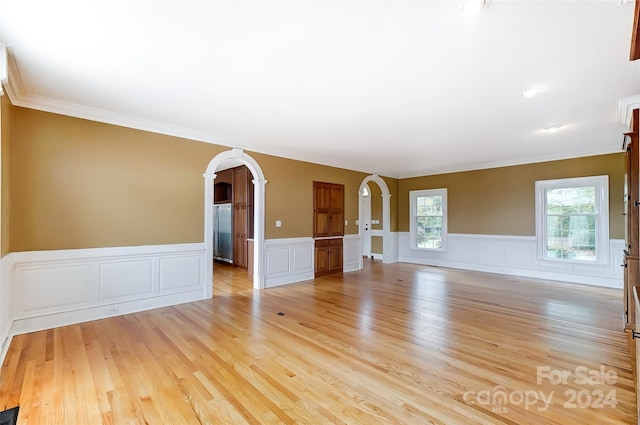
288,260
5,305
351,253
48,289
291,260
514,255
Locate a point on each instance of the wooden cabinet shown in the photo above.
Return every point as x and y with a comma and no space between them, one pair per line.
242,215
223,187
328,256
632,221
328,227
328,209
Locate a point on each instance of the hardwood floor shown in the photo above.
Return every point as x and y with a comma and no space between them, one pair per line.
391,344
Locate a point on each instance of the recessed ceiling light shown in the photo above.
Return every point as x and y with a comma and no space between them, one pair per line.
472,7
531,92
553,128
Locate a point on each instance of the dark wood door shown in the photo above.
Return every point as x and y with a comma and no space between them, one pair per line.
240,223
328,209
321,257
632,221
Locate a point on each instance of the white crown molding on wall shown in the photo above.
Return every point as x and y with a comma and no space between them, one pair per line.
14,86
626,105
19,97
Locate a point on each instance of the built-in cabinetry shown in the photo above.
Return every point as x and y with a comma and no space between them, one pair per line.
234,186
328,227
242,214
632,221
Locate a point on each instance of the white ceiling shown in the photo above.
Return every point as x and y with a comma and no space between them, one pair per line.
398,88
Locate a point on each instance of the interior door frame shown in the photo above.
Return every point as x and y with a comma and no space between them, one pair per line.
259,183
387,242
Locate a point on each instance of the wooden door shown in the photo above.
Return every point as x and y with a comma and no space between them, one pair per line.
328,209
336,210
632,221
636,306
335,255
321,257
631,271
240,216
321,209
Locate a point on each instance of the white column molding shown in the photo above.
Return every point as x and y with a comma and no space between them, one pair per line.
259,277
208,230
387,248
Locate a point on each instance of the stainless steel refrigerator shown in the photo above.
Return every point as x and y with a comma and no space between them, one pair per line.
222,232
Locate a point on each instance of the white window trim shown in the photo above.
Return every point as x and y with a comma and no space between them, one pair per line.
601,184
413,196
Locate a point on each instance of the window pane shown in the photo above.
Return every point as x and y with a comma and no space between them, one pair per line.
571,200
571,223
430,221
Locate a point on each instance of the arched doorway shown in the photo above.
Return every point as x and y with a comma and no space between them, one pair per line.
387,248
259,182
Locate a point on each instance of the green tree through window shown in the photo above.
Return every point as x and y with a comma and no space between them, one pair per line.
571,223
429,218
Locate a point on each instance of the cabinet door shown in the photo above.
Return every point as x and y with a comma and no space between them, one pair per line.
631,273
336,210
321,209
636,305
328,209
335,255
240,226
321,257
632,196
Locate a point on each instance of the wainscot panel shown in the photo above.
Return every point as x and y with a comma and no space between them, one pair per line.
352,253
514,255
288,260
56,288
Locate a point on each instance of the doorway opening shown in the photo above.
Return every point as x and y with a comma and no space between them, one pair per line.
381,230
230,159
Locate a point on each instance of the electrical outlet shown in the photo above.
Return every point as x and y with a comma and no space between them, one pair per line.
113,310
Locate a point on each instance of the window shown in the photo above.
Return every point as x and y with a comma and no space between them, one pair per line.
572,219
429,219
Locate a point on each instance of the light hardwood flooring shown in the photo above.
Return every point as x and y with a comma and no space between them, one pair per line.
391,344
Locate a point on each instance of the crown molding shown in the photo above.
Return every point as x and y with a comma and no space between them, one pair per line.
626,105
55,106
13,85
19,97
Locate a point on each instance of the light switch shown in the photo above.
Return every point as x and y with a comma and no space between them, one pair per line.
346,223
357,222
278,223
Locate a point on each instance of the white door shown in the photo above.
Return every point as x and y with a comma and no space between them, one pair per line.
365,225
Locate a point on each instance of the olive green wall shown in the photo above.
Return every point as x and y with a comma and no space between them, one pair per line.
289,195
5,157
73,183
376,207
80,184
501,201
377,245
